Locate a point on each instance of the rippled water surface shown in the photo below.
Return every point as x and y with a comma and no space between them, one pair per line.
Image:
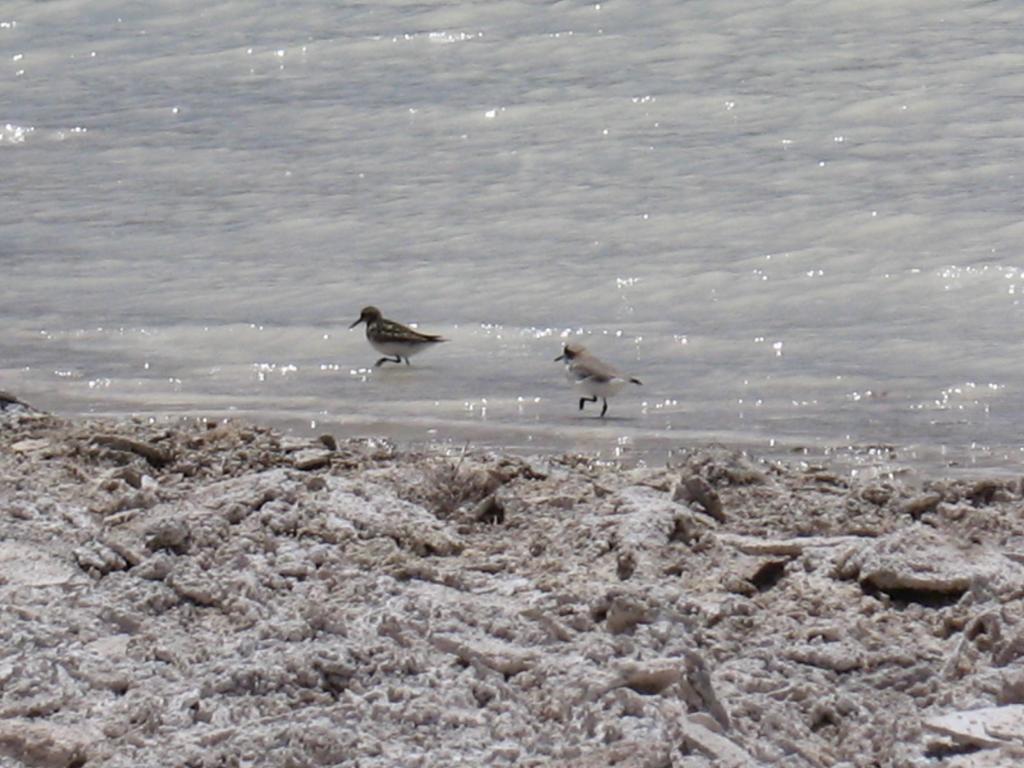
798,223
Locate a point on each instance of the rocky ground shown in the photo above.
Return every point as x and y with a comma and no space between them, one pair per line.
224,595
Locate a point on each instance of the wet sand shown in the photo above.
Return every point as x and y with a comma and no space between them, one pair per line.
226,595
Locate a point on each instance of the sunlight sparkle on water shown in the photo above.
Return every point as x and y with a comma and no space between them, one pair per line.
15,134
262,370
914,302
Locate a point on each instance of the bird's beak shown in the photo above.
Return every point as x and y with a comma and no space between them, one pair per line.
357,322
560,357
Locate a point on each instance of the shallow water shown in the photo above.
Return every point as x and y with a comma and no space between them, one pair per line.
798,223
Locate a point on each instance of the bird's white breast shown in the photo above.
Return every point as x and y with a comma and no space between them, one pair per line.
402,348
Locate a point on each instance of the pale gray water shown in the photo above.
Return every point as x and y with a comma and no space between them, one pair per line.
799,223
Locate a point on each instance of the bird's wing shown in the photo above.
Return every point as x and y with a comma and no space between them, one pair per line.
389,330
589,367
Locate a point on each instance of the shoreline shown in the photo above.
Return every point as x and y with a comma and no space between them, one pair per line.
628,438
213,594
912,462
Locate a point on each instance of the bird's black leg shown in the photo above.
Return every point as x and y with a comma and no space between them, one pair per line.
381,362
604,410
587,400
407,361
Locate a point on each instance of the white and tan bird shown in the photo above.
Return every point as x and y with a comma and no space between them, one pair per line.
593,376
393,340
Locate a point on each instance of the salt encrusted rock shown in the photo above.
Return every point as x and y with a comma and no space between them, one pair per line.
736,470
758,545
555,629
750,576
31,566
736,584
625,564
240,496
638,521
308,618
623,612
155,568
987,727
878,494
490,510
652,677
686,677
984,492
383,514
837,657
310,459
294,566
621,753
658,479
41,744
699,678
491,654
292,444
126,545
1008,651
697,489
921,504
38,445
170,532
917,559
194,586
722,751
1011,689
99,558
129,474
155,455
